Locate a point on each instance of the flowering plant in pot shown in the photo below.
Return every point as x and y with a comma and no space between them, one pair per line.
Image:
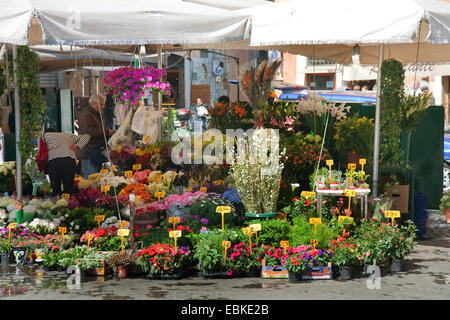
242,261
344,256
5,249
130,84
162,259
120,261
257,172
444,206
295,263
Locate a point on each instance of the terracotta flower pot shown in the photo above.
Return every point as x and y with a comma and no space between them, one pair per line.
121,273
447,214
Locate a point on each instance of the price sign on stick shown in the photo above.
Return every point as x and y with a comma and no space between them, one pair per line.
256,227
62,230
349,194
222,210
65,196
104,171
106,188
138,199
203,189
308,194
94,178
219,182
89,237
362,162
329,164
314,243
128,174
284,244
137,167
11,226
392,214
347,219
159,195
174,221
123,233
249,231
315,222
351,166
99,218
175,234
123,224
189,189
226,245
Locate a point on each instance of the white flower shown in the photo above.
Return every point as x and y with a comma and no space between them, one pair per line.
77,227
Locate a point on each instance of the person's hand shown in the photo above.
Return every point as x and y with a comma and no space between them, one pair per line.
111,132
73,147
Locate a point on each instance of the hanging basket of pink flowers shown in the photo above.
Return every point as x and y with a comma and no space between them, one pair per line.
129,84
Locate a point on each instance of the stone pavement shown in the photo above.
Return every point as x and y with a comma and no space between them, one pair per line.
426,276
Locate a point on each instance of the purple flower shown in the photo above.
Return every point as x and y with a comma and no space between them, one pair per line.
204,220
196,217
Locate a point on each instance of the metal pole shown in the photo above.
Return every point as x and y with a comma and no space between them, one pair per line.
376,141
159,93
17,128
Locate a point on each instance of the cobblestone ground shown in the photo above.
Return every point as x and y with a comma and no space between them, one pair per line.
426,275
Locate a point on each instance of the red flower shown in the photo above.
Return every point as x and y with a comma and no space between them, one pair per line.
136,235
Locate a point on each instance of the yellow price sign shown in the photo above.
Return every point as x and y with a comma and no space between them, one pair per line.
352,166
349,193
137,167
95,177
174,219
104,171
63,230
256,227
203,189
12,225
315,220
362,161
344,218
99,218
123,224
219,182
392,214
128,174
189,189
137,199
314,243
226,245
123,232
146,138
249,231
222,210
65,196
284,244
308,194
246,230
159,195
106,188
329,162
175,234
113,167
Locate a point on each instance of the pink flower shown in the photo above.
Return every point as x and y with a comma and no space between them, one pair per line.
149,226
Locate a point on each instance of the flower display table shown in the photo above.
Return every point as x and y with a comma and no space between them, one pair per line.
362,194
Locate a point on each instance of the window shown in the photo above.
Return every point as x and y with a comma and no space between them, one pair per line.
318,62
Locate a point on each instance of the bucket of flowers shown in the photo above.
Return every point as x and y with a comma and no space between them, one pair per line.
163,261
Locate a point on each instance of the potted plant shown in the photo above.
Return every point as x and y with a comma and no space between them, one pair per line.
20,251
444,206
209,255
336,179
243,262
344,257
295,263
272,262
120,261
93,262
5,249
256,173
162,261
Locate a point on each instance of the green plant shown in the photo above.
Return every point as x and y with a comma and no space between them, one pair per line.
272,231
302,233
209,252
355,134
93,259
392,97
52,257
445,202
5,246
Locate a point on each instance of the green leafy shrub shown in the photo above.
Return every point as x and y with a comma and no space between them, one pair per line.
302,233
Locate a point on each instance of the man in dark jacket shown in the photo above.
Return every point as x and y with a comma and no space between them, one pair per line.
90,122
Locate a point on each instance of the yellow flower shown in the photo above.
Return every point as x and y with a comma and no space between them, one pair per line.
139,152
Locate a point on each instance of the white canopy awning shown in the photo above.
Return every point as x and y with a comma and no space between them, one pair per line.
120,22
329,29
